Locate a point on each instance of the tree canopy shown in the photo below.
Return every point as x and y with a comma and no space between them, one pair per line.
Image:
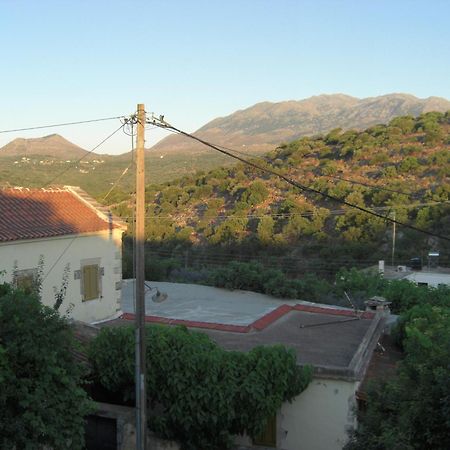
42,402
412,410
238,391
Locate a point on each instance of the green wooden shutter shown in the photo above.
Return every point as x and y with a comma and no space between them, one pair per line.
26,283
268,437
90,282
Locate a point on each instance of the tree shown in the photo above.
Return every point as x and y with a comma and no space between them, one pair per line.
238,391
405,123
411,411
265,229
42,402
230,230
255,193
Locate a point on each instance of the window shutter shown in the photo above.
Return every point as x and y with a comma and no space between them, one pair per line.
268,437
90,281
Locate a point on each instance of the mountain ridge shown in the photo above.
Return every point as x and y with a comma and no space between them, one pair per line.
32,162
52,145
265,124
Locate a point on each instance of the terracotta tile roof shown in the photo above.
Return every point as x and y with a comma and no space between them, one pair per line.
41,213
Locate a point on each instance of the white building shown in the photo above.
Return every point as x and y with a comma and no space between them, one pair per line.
426,276
429,277
338,343
62,234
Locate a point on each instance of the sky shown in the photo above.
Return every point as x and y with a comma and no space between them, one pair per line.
193,61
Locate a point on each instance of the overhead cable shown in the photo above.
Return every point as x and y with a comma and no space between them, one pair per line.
39,127
86,154
371,186
163,124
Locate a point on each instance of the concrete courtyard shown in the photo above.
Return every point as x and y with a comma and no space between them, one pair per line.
194,302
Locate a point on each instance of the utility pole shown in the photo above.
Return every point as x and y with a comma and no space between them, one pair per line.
393,241
141,397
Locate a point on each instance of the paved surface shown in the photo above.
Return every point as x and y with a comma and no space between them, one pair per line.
203,303
330,338
319,339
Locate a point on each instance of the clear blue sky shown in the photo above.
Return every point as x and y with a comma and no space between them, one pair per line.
194,60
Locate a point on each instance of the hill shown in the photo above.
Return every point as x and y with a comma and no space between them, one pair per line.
240,213
36,162
54,160
265,125
51,146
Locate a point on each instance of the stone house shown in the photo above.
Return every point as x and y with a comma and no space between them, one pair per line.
66,242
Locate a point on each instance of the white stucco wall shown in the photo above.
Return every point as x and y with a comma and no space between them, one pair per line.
431,278
104,247
318,419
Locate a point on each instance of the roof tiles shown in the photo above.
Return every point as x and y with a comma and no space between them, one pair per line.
43,213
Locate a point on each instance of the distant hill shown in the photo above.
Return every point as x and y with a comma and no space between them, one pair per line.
239,213
263,126
260,128
52,146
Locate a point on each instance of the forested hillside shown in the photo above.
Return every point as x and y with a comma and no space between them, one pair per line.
402,168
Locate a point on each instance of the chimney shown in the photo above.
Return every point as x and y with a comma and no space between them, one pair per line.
381,267
378,305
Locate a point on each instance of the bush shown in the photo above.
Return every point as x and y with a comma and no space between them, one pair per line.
411,410
159,269
42,403
238,392
236,275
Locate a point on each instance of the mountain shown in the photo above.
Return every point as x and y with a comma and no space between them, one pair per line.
263,126
52,146
231,213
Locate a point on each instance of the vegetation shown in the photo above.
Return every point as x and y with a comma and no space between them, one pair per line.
258,127
42,402
411,410
238,391
240,214
97,178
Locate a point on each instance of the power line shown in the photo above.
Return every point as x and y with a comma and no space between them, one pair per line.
61,124
371,186
163,124
59,258
117,181
270,161
85,155
131,133
333,212
76,236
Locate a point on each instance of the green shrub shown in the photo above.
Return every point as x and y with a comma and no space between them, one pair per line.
411,410
198,393
42,402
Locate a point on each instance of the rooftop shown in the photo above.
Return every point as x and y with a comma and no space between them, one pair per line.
42,213
335,340
401,271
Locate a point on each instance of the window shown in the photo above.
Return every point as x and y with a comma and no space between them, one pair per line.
90,282
26,280
268,437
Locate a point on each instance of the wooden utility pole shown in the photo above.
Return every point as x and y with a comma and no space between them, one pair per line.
393,241
141,397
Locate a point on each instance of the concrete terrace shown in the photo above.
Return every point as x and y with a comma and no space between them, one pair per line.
192,302
334,340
